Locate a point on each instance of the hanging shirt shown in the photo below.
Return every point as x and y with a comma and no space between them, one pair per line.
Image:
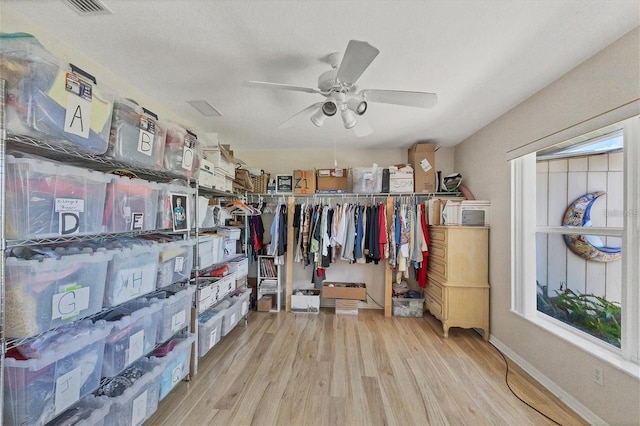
422,272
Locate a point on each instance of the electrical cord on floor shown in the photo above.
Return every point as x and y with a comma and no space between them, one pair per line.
374,301
506,380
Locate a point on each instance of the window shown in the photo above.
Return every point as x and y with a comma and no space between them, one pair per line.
576,241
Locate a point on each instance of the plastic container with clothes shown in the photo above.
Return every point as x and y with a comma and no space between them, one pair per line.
52,100
136,138
183,151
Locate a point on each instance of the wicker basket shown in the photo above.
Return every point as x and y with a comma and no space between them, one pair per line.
260,183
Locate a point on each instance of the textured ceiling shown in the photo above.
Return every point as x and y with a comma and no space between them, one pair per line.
482,58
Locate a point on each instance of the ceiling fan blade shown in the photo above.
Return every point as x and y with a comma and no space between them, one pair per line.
356,59
398,97
280,86
307,111
362,127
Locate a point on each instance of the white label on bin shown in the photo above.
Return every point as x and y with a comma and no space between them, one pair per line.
176,375
137,221
212,338
178,320
245,308
133,282
145,142
426,166
69,210
70,302
139,409
187,158
67,389
77,118
179,265
69,205
233,318
136,347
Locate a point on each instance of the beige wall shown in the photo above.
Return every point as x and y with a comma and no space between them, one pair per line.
604,82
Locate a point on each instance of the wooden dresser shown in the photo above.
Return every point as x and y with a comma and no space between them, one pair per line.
458,289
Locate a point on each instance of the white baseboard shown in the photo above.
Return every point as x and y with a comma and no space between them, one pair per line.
571,402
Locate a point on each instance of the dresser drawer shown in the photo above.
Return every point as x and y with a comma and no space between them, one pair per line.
438,252
434,307
437,268
434,289
437,234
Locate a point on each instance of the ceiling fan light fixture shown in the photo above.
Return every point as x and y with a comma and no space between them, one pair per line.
318,118
329,108
356,105
348,118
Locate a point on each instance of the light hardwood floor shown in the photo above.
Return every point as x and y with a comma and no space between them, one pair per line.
327,369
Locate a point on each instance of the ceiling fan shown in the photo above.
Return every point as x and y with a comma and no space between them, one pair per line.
338,85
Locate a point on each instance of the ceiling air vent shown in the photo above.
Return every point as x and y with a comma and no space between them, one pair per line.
88,7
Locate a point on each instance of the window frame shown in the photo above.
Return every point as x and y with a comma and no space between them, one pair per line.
523,256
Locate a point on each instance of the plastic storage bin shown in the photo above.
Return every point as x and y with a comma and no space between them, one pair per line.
175,261
406,307
240,267
62,367
134,394
176,311
134,333
167,204
366,180
175,363
182,151
132,271
89,411
209,331
131,204
239,307
50,287
136,138
47,200
52,100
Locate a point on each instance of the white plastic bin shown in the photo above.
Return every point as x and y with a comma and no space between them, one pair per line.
139,401
176,311
136,138
366,180
176,262
131,205
209,331
47,200
133,270
134,334
175,364
47,287
89,411
51,99
182,152
63,367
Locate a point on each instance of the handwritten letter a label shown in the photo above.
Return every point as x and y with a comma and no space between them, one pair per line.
77,119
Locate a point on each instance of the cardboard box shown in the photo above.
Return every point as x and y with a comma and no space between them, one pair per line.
400,180
304,181
337,290
346,307
264,303
422,157
308,302
332,180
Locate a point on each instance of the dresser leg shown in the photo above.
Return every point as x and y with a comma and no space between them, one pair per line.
445,330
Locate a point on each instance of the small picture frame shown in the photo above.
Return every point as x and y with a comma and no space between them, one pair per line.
284,184
180,212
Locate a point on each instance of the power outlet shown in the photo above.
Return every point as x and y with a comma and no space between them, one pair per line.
598,375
